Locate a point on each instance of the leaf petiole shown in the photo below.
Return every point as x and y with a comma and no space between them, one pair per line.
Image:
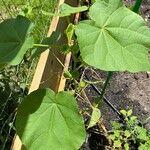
40,45
110,73
137,5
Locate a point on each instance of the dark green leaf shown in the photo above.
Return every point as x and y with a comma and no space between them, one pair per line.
65,49
67,74
15,40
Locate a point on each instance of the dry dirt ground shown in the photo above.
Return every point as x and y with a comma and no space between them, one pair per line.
129,91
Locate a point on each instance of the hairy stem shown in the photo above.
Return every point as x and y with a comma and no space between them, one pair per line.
137,5
110,73
40,45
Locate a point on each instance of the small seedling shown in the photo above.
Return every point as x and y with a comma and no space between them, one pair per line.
128,132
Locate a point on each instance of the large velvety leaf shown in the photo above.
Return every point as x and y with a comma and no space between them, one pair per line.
15,40
48,121
114,38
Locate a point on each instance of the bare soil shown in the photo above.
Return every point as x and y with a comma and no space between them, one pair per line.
125,91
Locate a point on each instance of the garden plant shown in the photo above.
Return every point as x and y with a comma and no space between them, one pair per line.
123,135
112,38
15,80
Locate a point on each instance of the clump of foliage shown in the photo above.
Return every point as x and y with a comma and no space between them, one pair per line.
15,80
130,132
107,41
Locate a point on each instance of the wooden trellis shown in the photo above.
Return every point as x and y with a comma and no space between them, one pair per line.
49,71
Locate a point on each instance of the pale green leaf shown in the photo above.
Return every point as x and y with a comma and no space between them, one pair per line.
115,125
15,40
69,32
117,133
117,144
142,133
96,114
143,147
82,84
133,118
49,13
127,133
126,146
114,38
46,120
66,10
124,112
112,137
129,113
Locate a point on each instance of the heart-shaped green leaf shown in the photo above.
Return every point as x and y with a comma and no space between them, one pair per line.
15,40
48,121
114,38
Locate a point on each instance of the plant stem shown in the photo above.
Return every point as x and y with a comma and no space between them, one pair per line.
110,73
137,5
41,45
106,100
68,20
